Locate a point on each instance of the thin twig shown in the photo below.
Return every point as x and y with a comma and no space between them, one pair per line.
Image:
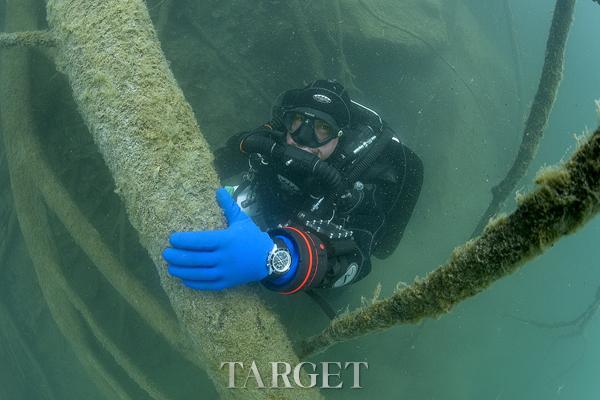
579,322
540,110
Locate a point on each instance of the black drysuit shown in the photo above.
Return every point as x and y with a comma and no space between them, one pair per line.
385,194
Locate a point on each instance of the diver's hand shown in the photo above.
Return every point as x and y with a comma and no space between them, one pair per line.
215,260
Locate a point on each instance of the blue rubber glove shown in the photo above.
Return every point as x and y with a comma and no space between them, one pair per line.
215,260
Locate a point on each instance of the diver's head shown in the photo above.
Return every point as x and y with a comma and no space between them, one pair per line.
314,116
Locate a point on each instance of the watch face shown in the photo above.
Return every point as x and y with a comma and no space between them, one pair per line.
281,261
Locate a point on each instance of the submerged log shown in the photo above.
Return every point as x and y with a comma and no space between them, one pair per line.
150,141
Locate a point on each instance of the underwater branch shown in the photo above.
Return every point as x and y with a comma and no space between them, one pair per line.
566,197
539,113
27,39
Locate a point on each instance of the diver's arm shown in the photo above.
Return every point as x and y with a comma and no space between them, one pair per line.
243,253
308,265
317,262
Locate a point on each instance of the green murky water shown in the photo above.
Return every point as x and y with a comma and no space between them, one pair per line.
456,78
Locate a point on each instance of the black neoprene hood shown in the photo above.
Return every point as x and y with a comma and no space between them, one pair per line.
323,96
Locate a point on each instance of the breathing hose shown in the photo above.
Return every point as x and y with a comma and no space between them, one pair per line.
294,159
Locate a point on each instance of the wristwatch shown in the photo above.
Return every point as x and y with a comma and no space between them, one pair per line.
279,260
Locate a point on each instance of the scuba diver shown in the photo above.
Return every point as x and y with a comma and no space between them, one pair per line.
327,185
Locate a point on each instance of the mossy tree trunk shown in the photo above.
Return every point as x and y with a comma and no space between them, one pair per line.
149,138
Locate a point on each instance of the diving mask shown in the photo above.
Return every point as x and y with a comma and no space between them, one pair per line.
310,128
